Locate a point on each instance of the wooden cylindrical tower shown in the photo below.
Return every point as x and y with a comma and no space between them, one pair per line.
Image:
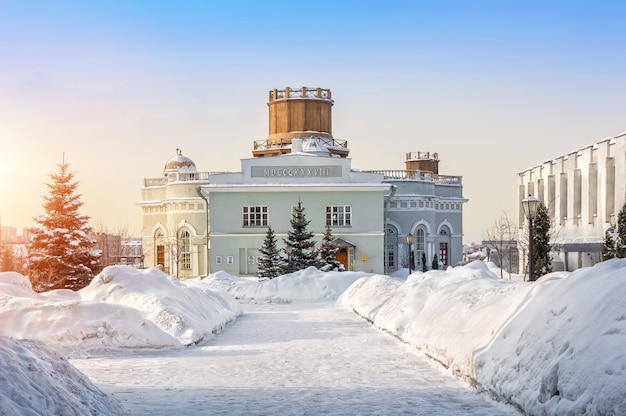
296,113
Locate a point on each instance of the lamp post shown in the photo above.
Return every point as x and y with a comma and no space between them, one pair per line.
529,205
288,250
409,242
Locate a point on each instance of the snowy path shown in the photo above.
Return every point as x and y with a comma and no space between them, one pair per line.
291,359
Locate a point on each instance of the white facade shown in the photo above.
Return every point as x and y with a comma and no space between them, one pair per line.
272,186
584,191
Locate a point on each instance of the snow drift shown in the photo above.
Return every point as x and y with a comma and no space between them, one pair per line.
121,307
555,346
37,381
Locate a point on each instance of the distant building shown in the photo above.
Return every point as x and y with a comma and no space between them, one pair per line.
584,191
196,222
115,249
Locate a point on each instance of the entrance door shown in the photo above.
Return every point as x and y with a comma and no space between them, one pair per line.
342,257
443,253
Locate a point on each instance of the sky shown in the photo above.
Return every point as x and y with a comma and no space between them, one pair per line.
113,88
554,346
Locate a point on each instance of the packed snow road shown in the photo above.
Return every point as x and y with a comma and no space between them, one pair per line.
286,359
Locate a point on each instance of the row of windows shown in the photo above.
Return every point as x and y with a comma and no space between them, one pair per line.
441,206
258,215
173,207
183,248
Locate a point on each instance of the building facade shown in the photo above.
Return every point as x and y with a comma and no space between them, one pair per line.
195,223
584,191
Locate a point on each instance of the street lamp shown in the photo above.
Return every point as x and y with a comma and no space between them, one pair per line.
529,205
409,242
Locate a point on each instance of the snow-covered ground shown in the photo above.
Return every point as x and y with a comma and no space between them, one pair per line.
555,346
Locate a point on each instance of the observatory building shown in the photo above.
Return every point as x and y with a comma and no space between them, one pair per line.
200,222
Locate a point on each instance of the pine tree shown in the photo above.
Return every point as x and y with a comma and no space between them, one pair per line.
300,245
608,249
328,253
620,241
60,254
435,262
424,266
271,262
541,241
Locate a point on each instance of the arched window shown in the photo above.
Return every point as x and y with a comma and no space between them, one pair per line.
420,244
185,250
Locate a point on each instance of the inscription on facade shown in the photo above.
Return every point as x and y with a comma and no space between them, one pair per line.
296,171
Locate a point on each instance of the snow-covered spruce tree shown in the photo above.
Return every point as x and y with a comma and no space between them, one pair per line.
299,243
620,241
60,252
328,253
608,248
271,262
541,241
424,266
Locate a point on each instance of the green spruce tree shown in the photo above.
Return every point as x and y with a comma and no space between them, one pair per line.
541,241
328,253
300,245
435,263
608,248
60,252
424,266
271,262
620,241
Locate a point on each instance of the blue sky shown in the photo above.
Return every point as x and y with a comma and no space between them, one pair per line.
494,87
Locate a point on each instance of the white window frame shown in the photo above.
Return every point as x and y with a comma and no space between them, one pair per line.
339,215
255,216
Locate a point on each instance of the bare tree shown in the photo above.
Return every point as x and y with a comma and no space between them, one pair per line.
499,239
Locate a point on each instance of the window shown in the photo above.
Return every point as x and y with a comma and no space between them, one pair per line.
218,259
160,257
419,246
185,250
339,215
230,260
255,216
391,256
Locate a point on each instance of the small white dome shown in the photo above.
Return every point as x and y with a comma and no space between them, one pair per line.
180,163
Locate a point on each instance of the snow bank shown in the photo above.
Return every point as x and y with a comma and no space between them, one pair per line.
122,307
555,346
310,285
189,312
37,381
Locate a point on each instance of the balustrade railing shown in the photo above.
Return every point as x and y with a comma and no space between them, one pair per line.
278,143
179,177
418,175
304,92
422,156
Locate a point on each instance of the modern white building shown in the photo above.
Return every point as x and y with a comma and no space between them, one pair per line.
196,222
584,191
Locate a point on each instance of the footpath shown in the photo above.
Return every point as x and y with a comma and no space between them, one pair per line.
287,359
